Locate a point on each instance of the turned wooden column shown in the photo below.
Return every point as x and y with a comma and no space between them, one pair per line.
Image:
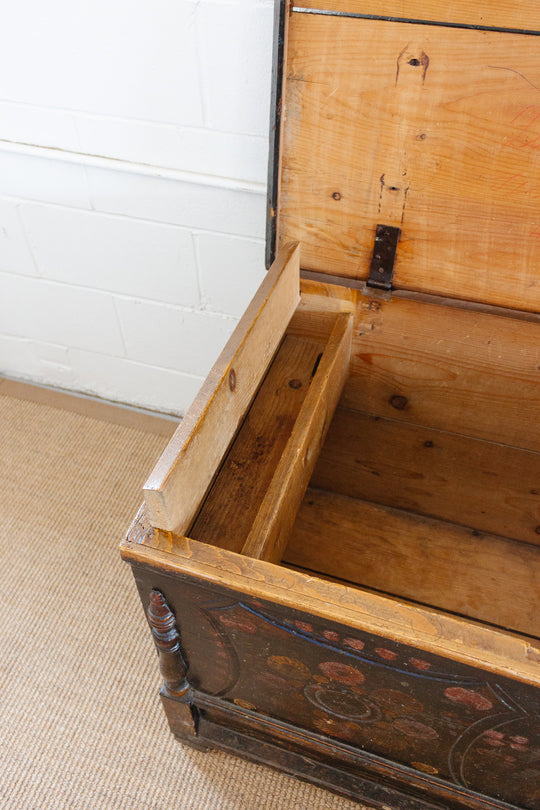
176,693
167,640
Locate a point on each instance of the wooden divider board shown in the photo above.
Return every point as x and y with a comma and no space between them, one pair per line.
270,531
429,128
175,489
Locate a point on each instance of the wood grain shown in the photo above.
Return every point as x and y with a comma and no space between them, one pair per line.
468,372
470,369
430,561
431,129
175,489
228,512
269,534
499,13
486,486
500,652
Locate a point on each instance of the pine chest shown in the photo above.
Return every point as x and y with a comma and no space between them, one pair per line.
339,551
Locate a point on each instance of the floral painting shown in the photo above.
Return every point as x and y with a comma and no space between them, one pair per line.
429,713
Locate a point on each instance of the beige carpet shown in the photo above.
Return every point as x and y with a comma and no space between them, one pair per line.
79,725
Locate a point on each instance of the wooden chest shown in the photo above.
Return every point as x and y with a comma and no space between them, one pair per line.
338,552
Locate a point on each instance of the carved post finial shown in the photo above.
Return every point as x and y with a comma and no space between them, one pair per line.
167,640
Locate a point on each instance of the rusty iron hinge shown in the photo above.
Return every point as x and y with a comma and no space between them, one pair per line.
384,257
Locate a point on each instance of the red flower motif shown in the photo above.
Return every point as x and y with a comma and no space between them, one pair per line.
419,663
388,655
331,635
520,740
342,673
469,698
354,643
496,735
238,623
304,626
414,729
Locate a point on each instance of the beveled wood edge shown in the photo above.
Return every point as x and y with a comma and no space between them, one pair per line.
470,642
211,422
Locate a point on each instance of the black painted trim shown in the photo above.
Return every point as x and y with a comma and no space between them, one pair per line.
439,23
280,13
354,786
327,762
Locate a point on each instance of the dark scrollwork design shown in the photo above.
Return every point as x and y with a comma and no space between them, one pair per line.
167,640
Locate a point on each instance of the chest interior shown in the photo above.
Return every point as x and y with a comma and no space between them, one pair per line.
423,483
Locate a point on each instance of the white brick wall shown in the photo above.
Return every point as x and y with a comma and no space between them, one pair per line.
133,150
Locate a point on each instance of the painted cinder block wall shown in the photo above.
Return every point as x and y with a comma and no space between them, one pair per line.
133,160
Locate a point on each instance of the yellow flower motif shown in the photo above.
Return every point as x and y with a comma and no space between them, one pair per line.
421,766
290,667
244,704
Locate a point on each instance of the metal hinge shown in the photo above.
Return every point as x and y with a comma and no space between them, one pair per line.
384,257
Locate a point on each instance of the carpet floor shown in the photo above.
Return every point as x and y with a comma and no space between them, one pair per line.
81,725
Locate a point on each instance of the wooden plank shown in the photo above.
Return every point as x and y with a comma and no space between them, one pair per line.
522,14
487,486
458,367
496,651
430,561
175,489
269,533
233,502
447,368
431,129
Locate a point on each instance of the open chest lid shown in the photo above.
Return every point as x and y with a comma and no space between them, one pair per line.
428,125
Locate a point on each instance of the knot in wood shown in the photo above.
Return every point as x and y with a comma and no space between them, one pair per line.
399,402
